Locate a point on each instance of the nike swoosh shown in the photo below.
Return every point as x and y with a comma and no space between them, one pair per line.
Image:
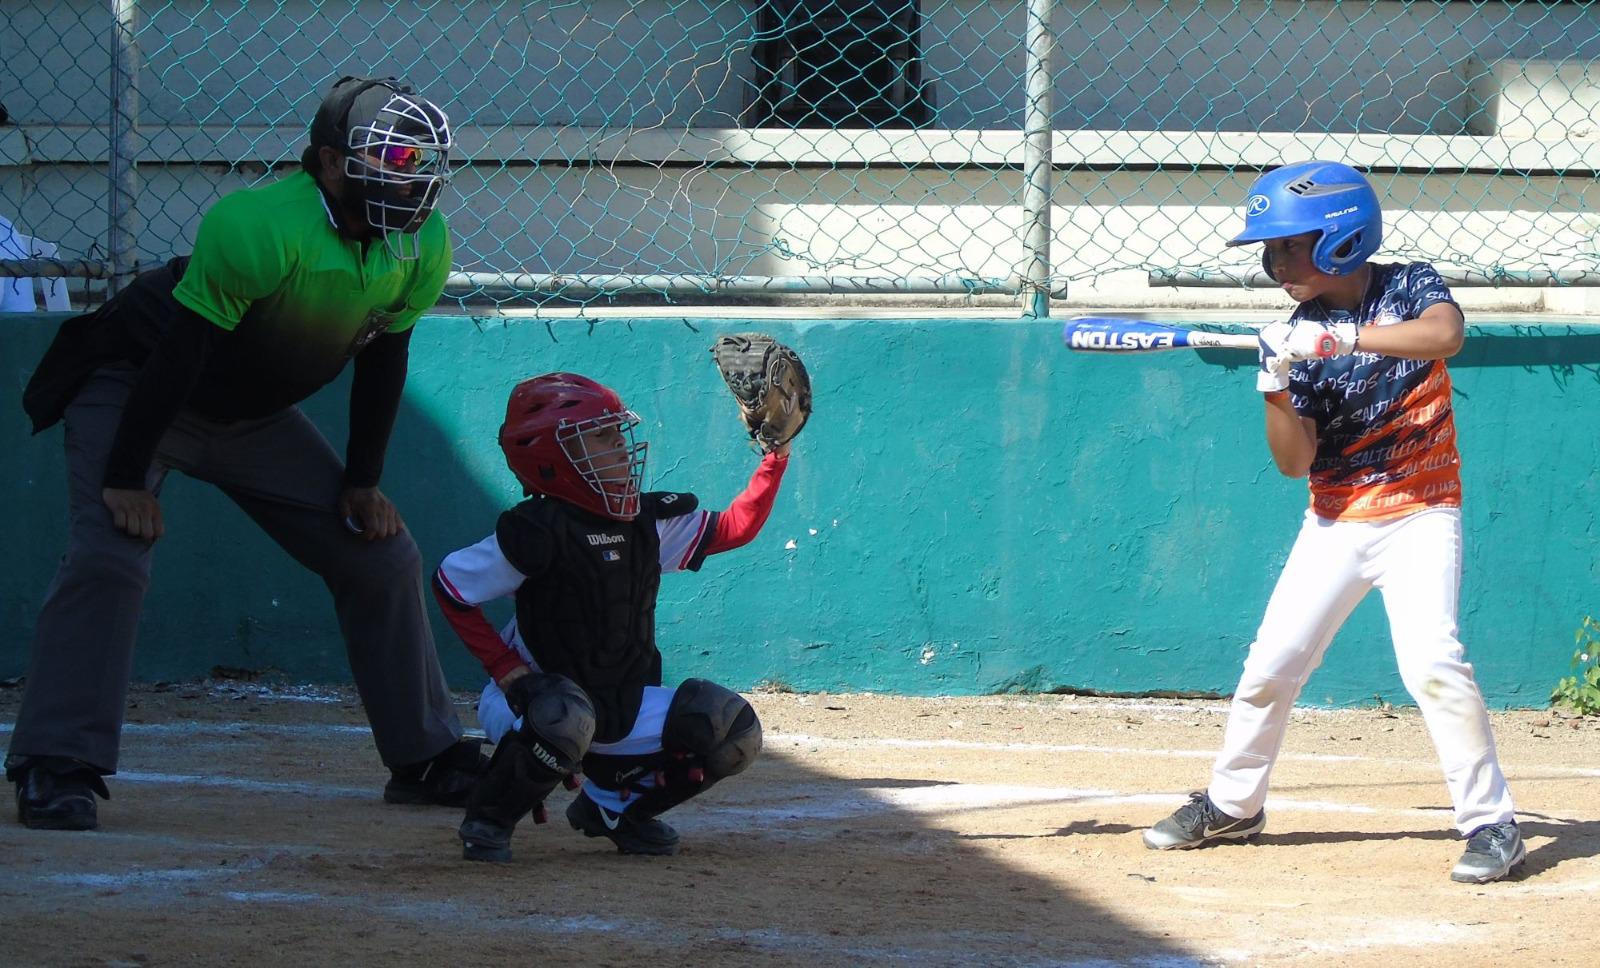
1209,831
610,820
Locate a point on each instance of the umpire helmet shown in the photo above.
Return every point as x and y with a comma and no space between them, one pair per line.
1326,197
396,147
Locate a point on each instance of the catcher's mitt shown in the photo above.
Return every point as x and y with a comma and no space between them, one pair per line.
770,383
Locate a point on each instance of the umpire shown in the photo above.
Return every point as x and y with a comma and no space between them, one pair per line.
198,366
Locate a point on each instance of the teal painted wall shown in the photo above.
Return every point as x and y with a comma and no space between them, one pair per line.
972,509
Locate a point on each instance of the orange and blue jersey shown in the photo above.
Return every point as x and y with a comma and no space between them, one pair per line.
1386,435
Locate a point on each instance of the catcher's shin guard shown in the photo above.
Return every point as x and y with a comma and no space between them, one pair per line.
527,765
709,733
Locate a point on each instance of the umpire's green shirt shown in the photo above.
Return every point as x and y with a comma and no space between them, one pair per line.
299,298
270,307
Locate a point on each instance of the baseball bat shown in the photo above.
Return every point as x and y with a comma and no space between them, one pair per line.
1107,334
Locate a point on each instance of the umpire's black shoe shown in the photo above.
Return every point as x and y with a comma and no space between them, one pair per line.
444,781
58,794
485,840
632,836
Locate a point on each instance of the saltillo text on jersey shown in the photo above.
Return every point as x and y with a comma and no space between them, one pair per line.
1386,438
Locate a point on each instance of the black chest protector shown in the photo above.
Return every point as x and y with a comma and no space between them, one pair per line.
590,612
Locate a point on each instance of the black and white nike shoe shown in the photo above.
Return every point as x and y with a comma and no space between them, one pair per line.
1198,823
632,836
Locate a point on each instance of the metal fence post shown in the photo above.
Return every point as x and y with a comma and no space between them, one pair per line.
1037,174
122,233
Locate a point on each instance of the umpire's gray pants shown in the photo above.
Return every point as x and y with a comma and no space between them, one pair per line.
284,474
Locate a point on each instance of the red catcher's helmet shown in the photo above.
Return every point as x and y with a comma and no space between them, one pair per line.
550,442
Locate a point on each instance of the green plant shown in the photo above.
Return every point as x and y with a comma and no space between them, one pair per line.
1580,691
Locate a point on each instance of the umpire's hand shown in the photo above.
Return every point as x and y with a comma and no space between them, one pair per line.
136,513
375,513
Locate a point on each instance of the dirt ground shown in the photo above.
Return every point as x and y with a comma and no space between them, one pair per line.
247,829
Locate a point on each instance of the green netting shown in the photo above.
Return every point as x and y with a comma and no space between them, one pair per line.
835,145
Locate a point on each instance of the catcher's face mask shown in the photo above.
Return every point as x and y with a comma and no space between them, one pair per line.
605,454
568,437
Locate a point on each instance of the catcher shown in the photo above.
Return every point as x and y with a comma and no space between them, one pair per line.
575,678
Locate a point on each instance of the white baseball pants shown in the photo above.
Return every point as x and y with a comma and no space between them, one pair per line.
1415,563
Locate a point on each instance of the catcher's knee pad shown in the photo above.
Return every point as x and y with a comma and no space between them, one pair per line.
558,723
531,762
709,733
713,725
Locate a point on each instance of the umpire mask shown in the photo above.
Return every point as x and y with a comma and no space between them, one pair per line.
396,146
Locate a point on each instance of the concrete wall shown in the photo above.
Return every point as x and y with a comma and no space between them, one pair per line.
603,135
972,509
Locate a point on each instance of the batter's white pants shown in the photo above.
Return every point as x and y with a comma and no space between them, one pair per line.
1415,562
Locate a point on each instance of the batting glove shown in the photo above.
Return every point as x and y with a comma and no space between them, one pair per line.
1274,357
1317,341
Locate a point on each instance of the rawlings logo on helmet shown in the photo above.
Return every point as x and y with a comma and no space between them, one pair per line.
1294,200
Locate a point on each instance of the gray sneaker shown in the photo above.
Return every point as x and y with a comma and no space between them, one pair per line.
1198,823
1492,852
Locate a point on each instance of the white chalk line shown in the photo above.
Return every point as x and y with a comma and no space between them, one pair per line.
131,878
807,802
273,897
1366,935
957,798
313,730
282,788
191,727
146,876
805,739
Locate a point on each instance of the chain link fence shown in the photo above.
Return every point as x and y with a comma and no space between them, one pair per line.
705,147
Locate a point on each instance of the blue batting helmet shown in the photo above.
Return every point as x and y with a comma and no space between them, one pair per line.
1316,196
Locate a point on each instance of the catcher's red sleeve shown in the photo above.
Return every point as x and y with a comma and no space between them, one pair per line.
739,525
473,627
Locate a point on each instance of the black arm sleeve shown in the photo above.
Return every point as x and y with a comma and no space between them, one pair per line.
380,377
164,384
